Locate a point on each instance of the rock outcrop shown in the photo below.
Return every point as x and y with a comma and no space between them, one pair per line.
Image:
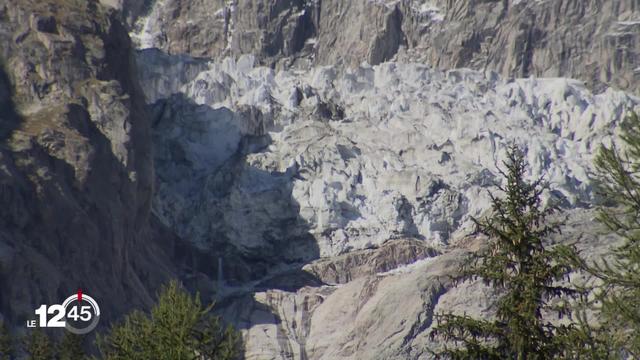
377,314
76,176
592,40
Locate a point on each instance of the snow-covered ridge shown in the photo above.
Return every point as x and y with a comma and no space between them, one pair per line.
356,157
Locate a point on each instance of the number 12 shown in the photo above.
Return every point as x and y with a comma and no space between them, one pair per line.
56,320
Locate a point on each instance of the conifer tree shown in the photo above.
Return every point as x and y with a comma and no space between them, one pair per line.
618,297
526,272
178,328
70,347
6,342
215,341
38,345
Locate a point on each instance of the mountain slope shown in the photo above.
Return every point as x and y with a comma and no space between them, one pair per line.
75,163
314,165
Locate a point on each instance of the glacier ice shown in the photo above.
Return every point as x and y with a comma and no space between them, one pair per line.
355,157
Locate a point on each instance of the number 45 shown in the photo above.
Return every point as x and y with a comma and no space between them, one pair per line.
85,314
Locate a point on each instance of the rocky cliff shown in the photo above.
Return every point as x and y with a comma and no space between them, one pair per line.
592,40
76,176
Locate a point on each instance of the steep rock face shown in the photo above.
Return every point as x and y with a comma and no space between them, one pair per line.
209,28
366,30
282,32
595,41
76,173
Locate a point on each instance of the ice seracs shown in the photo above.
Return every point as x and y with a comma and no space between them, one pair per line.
356,157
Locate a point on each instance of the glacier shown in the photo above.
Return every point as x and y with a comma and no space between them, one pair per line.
336,195
366,154
339,200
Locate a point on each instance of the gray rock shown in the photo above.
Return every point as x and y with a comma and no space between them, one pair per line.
355,264
591,40
376,314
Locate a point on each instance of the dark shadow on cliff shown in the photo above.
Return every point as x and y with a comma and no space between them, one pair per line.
256,238
9,119
64,233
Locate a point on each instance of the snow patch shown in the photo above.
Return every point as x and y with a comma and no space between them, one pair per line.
629,23
405,269
428,10
147,31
